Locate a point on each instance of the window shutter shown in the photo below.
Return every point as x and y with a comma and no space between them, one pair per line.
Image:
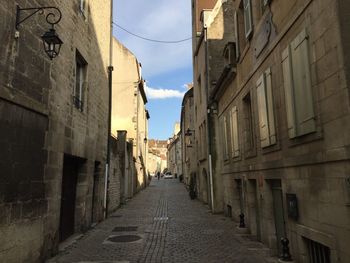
248,23
234,132
236,36
288,91
305,116
270,108
262,109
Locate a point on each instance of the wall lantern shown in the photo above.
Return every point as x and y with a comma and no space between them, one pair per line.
145,140
52,42
189,132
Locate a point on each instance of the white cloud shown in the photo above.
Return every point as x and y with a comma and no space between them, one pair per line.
153,93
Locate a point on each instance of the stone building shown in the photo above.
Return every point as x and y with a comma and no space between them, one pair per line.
189,164
54,127
122,171
282,120
174,152
157,152
129,112
207,32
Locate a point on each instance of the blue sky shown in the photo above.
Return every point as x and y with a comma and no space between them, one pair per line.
165,67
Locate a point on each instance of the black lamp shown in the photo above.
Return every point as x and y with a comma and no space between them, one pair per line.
52,42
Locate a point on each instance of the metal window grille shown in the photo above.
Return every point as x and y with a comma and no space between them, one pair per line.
318,253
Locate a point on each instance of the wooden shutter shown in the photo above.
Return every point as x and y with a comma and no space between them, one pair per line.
305,116
236,36
288,91
263,115
270,108
234,132
248,22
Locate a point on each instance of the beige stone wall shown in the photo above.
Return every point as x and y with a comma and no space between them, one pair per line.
129,110
314,166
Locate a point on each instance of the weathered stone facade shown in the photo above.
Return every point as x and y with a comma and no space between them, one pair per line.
129,113
53,149
189,161
282,122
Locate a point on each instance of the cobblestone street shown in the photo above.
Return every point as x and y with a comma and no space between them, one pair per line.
170,228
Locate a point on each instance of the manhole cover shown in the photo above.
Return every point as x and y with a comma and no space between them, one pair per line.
125,229
126,238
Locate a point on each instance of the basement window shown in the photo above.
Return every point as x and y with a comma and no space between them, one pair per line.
317,252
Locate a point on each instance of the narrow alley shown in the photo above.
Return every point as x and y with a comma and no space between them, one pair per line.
162,224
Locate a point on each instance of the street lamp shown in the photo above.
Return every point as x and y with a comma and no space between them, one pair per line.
52,42
189,132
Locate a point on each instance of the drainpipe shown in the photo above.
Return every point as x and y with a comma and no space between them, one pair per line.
110,70
208,119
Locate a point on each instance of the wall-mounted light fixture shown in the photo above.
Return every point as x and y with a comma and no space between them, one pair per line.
52,42
189,132
145,140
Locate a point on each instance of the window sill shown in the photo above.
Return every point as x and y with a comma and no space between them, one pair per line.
306,138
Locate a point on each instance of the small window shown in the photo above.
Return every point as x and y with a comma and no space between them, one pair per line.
317,252
249,141
248,21
83,7
266,109
80,79
224,137
234,132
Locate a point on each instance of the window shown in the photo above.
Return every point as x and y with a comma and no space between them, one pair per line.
248,21
199,83
80,78
82,6
237,36
264,4
265,109
224,137
317,252
248,132
297,87
234,132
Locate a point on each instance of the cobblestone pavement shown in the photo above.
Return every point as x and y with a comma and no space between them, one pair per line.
170,228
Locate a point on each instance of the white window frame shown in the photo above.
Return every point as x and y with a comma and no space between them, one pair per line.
235,149
266,110
248,18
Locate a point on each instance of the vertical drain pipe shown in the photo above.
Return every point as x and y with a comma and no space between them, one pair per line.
110,70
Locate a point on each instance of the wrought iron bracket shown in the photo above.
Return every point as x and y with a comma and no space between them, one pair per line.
50,17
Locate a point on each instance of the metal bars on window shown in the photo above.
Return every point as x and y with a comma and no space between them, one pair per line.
318,253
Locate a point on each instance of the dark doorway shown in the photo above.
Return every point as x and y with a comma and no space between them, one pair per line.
68,196
278,212
95,191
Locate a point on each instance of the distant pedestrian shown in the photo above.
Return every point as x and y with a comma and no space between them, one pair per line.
158,175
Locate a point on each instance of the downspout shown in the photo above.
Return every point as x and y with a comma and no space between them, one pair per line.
208,119
110,70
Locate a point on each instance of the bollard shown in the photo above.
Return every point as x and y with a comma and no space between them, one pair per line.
285,249
241,221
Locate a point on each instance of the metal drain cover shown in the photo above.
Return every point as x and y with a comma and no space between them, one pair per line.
124,239
125,229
